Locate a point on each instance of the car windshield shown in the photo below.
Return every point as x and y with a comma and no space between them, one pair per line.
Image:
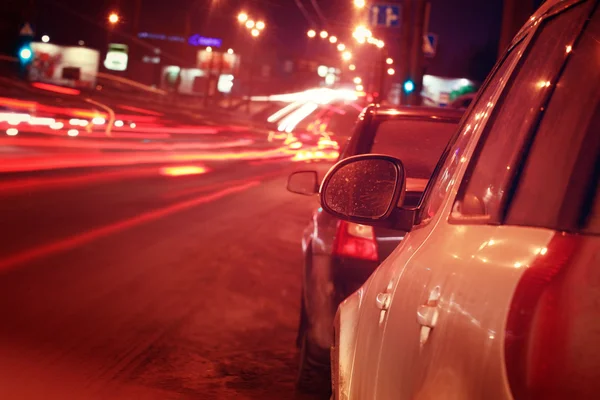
418,143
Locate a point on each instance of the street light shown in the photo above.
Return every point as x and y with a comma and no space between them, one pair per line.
332,39
389,61
113,18
324,34
357,80
311,33
45,38
391,71
341,47
380,44
260,25
209,49
359,88
255,32
249,24
242,17
361,31
346,56
229,51
351,67
359,3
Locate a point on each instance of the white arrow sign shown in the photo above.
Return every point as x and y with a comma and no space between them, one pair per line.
390,17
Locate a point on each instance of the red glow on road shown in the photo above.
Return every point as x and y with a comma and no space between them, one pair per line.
140,110
84,238
56,89
183,170
93,144
88,159
35,183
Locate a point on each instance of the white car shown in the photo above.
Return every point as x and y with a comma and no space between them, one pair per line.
495,291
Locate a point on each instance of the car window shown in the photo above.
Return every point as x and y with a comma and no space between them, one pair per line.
485,186
558,186
418,143
443,177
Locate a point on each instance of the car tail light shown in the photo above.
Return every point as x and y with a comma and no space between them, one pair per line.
535,340
356,241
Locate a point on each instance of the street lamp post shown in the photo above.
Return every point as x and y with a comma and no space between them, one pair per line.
255,28
209,74
113,20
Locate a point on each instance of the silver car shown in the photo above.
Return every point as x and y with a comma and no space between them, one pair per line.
495,291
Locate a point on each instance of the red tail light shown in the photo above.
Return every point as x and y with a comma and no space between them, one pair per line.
356,241
535,343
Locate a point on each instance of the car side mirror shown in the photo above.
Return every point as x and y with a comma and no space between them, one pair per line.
303,182
366,189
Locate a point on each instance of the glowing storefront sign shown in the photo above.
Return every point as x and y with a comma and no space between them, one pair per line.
194,40
116,57
197,40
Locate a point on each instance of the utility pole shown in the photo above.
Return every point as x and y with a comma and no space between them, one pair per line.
405,40
416,57
136,17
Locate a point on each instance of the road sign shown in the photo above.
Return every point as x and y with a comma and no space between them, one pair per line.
385,15
26,30
430,44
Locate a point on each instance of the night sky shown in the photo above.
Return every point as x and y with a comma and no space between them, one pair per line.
468,29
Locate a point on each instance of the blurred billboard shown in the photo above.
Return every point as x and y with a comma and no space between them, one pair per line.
64,65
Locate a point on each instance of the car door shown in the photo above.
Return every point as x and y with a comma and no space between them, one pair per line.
447,306
376,295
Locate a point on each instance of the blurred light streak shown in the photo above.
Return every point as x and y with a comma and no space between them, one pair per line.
318,155
14,118
97,159
41,121
111,115
183,170
291,121
8,102
78,122
72,132
12,132
192,130
57,125
319,96
122,145
107,230
285,110
98,121
132,83
140,110
119,123
56,89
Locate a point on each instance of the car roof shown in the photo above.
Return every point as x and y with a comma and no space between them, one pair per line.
417,112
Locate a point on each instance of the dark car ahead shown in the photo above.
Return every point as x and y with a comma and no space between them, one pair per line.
340,256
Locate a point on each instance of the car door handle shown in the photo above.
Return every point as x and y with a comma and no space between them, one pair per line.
427,315
383,301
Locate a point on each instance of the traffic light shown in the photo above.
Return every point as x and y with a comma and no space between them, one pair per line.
409,86
25,54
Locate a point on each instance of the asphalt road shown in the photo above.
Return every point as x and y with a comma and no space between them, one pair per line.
128,284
